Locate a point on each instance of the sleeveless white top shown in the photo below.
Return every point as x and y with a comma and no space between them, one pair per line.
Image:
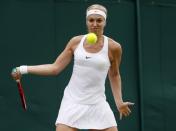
87,83
84,104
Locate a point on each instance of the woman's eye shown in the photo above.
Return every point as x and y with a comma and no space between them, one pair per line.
99,20
91,20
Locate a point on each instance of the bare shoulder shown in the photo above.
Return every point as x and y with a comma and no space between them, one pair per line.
74,41
113,45
115,50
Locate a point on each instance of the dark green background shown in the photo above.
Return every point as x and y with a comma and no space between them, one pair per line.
36,31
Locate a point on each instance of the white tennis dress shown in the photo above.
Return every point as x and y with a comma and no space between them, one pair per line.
84,104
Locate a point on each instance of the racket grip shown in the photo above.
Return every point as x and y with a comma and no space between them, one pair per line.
21,93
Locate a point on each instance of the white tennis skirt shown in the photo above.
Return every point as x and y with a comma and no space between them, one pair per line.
82,116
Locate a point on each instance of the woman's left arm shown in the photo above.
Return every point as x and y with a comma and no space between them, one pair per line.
115,53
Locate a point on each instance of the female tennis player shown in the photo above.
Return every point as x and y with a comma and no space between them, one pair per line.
84,104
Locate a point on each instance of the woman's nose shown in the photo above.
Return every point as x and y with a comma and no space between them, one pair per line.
94,23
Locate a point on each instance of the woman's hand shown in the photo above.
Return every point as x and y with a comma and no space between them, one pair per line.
124,109
16,75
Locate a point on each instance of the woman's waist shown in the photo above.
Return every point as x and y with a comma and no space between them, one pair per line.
84,96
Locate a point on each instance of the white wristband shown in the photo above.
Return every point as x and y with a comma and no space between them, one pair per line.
23,69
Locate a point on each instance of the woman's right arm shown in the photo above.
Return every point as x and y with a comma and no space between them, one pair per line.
55,68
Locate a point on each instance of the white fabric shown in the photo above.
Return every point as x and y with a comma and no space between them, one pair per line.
87,83
81,116
23,69
95,11
84,103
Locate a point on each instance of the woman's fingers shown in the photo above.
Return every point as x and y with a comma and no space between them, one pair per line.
121,115
15,74
125,110
130,103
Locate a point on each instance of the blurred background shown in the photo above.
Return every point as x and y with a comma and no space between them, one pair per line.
36,31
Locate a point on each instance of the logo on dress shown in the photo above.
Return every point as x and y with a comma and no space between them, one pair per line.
87,57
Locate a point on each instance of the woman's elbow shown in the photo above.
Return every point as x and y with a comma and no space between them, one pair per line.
54,71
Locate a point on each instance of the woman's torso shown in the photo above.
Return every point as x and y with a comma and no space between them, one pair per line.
87,83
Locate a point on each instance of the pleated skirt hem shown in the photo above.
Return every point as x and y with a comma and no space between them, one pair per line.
80,116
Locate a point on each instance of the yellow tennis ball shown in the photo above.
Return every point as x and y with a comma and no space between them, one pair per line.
91,38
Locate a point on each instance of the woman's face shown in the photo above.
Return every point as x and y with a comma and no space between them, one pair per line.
95,23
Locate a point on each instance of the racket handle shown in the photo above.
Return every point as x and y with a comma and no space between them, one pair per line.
21,93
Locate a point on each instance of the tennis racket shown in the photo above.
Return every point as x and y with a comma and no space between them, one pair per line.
21,93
